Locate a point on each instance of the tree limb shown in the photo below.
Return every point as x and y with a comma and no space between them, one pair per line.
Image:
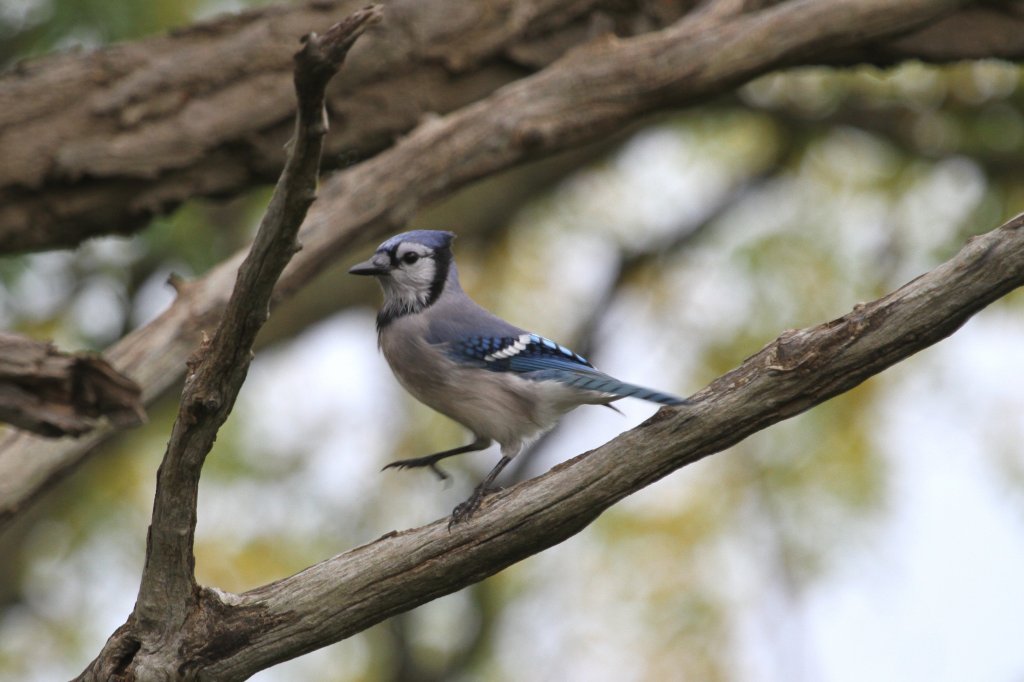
101,142
54,394
591,92
168,594
242,634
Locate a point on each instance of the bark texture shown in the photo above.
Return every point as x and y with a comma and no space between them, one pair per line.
99,143
53,394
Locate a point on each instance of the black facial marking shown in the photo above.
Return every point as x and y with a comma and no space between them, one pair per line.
384,318
442,263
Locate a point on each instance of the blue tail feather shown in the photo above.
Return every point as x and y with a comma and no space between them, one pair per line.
607,384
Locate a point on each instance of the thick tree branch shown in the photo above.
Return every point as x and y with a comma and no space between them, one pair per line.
54,394
242,634
99,143
984,30
168,591
591,92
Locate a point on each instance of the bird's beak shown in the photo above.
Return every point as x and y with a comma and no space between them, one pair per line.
379,264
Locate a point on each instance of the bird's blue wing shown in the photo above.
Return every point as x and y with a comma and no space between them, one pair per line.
535,357
526,353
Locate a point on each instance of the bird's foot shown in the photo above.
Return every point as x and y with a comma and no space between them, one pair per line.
418,462
465,510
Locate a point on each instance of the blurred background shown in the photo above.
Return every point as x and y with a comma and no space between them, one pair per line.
879,536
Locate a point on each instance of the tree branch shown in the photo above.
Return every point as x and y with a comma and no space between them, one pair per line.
99,143
54,394
591,92
337,598
168,594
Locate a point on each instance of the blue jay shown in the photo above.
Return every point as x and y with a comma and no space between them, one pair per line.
501,382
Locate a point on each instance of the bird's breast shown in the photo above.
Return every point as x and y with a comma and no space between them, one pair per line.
506,408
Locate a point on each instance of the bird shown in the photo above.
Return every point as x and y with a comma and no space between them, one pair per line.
502,383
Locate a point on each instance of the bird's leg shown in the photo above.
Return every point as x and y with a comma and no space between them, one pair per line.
466,509
431,460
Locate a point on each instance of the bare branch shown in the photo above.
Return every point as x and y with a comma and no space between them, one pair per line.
168,592
590,93
241,634
54,394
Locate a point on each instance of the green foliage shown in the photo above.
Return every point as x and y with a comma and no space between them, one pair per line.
39,26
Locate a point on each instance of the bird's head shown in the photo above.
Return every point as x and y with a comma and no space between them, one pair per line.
414,269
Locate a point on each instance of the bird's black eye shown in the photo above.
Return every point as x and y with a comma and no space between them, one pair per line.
410,258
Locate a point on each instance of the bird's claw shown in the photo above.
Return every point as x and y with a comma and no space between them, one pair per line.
413,463
465,510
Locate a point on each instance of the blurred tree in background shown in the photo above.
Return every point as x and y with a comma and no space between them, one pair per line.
877,536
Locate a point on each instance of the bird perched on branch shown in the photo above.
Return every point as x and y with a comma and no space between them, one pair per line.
501,382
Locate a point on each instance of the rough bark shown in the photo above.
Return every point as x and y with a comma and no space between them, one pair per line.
53,393
98,143
101,142
232,636
591,92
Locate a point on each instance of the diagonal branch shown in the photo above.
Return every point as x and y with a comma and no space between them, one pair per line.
628,263
167,595
591,92
800,369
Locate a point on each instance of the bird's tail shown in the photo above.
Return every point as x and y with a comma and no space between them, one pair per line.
611,386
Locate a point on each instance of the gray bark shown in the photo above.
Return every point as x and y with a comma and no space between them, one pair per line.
53,393
100,143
